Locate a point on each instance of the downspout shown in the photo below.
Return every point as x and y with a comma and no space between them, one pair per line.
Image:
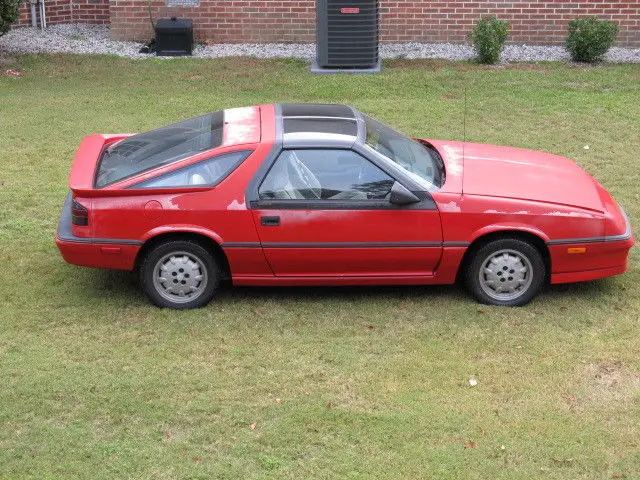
43,16
34,22
150,16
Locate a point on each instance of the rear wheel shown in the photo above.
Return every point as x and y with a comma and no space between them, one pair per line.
179,274
507,272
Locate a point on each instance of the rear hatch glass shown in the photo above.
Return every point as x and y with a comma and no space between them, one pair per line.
149,150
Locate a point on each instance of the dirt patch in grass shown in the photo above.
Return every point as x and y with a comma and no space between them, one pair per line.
437,64
239,63
420,63
579,84
610,383
531,67
7,59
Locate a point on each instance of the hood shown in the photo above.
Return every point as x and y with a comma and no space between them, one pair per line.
521,174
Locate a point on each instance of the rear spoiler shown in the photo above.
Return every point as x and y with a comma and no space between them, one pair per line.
86,159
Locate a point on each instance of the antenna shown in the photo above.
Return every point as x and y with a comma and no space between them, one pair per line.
464,132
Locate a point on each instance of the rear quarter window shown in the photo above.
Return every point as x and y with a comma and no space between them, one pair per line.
206,173
159,147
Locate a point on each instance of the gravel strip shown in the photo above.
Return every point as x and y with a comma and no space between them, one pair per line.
94,39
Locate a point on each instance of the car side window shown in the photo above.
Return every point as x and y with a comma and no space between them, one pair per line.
206,173
324,174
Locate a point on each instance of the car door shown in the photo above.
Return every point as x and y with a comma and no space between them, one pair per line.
327,212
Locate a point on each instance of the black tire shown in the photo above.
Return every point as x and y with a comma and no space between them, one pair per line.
506,272
189,268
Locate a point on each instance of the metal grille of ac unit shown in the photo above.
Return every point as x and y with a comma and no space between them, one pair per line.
347,33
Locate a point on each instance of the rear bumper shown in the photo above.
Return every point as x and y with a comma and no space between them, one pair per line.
98,255
119,254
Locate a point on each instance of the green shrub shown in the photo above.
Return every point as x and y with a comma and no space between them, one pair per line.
488,37
8,14
590,38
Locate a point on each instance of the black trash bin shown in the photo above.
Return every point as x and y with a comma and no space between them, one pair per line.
174,36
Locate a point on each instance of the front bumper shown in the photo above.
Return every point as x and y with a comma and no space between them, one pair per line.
582,259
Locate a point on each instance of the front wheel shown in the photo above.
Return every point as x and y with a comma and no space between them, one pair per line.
179,274
506,272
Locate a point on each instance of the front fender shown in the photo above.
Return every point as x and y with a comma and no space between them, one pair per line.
508,227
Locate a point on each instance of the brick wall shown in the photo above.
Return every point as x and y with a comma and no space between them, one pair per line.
534,21
69,11
91,11
288,21
230,21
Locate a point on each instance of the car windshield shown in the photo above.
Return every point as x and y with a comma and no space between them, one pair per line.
159,147
420,160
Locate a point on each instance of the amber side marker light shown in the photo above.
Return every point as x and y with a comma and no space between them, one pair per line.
574,250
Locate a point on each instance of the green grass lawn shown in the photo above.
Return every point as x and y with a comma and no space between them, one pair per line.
355,382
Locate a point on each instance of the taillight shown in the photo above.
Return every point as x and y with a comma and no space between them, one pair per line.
79,214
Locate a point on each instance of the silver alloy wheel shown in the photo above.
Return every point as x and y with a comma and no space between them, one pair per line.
505,275
180,277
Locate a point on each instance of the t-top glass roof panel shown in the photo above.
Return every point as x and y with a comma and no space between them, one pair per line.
321,125
316,110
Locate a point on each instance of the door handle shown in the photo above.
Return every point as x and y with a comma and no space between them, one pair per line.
269,221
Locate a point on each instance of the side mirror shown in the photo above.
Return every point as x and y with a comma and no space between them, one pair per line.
400,195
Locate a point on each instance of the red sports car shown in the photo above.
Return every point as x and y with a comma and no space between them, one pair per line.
306,194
